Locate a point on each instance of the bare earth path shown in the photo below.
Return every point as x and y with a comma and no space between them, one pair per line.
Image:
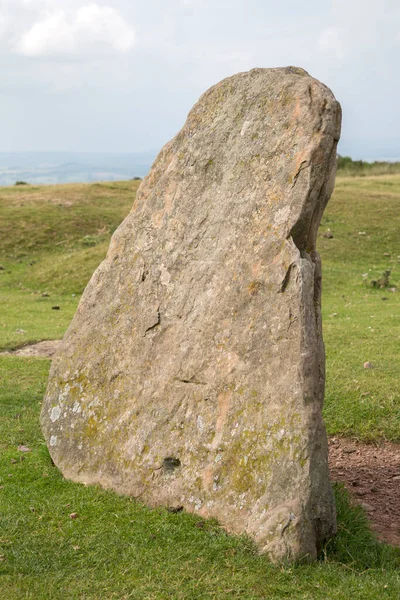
45,349
371,473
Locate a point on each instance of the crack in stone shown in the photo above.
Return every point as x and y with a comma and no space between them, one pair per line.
303,165
191,380
156,324
286,279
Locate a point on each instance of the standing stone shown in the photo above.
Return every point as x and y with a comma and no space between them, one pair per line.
193,372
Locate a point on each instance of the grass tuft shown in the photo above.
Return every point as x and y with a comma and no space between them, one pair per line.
355,545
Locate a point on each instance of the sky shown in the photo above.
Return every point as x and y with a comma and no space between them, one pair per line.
121,75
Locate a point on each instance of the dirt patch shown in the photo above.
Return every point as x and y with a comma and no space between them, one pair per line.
371,474
45,349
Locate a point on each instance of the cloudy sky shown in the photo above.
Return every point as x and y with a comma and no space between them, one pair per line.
121,75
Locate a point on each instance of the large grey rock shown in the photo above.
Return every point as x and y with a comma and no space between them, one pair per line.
193,371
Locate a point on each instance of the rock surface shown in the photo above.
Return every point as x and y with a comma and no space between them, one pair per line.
193,372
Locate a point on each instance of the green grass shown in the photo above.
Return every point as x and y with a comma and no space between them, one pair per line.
27,317
118,548
362,323
51,240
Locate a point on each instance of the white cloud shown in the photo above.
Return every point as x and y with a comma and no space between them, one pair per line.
51,34
91,29
105,24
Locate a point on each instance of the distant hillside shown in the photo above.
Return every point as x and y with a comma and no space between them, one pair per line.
39,168
72,167
346,166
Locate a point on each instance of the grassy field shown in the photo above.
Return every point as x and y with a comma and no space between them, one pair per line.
51,239
361,322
